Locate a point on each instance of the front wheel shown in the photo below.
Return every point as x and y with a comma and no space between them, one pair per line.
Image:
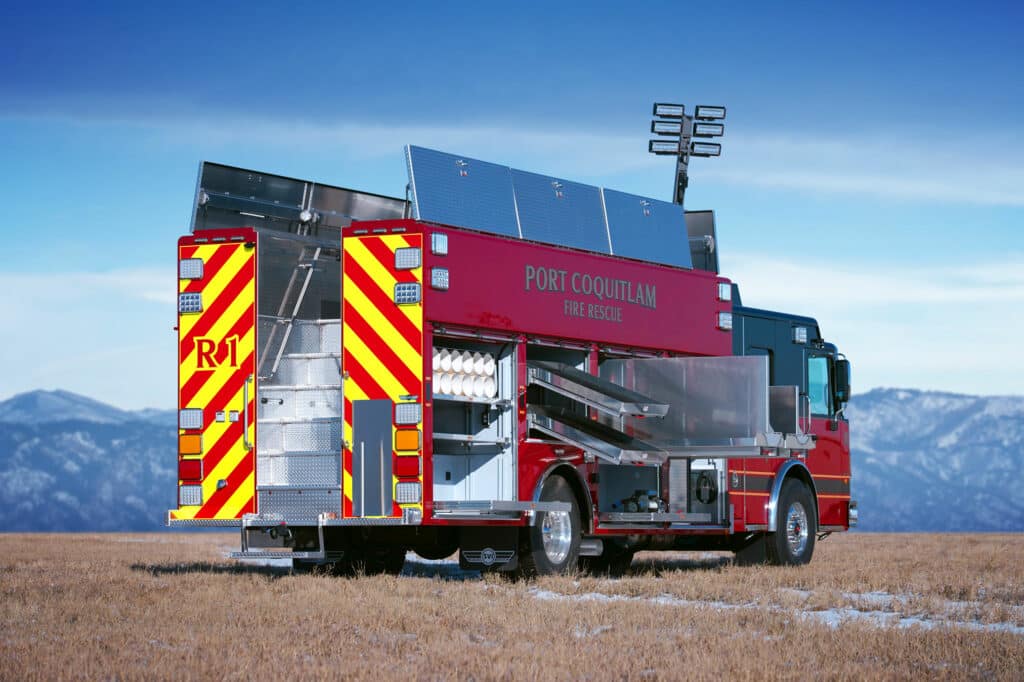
552,544
792,543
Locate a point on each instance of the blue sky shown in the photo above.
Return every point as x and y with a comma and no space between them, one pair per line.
872,171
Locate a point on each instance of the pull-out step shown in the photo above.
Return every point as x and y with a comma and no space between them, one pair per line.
593,391
602,441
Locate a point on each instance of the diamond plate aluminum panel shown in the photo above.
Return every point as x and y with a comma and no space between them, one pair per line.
298,505
270,437
304,338
557,211
460,191
289,403
317,436
299,470
306,371
330,337
647,229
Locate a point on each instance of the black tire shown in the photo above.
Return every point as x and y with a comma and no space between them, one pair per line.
796,516
562,530
614,561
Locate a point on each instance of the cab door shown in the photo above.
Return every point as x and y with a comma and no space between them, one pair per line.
829,461
216,373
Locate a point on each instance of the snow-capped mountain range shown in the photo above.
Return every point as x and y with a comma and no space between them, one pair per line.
922,461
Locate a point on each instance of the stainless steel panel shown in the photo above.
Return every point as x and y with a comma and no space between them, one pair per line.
713,401
700,227
232,197
308,371
460,191
783,409
371,458
298,505
590,390
557,211
594,437
299,470
298,402
678,484
313,436
647,229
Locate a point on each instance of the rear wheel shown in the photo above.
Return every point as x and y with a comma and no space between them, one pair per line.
552,544
792,543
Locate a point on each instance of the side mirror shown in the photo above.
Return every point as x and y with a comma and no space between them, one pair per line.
842,392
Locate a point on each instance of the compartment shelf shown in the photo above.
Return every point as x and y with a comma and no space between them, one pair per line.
494,402
467,439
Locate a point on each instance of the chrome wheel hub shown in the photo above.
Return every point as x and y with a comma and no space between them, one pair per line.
556,531
796,529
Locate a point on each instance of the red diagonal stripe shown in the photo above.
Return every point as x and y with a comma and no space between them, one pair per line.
412,239
234,480
384,303
362,378
223,446
381,350
348,411
187,251
210,268
241,327
214,309
194,384
386,257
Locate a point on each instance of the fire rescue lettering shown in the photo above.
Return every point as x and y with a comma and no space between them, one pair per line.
601,287
208,355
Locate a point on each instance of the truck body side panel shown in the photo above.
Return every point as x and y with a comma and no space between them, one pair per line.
511,285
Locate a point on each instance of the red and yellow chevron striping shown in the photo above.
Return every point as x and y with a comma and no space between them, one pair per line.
217,362
382,342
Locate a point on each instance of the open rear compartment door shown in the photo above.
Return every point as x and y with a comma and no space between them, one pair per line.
217,367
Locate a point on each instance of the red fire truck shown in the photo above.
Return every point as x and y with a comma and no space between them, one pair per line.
351,392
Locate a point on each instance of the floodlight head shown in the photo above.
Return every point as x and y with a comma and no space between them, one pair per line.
665,110
666,127
663,147
702,129
705,149
707,112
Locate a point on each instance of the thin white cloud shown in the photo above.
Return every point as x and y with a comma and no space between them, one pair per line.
948,328
951,167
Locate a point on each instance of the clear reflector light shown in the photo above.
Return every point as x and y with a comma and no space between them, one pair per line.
407,258
666,127
190,418
705,111
663,147
701,129
190,495
666,110
407,413
705,149
799,334
439,244
190,303
439,278
190,268
406,493
724,291
407,292
725,321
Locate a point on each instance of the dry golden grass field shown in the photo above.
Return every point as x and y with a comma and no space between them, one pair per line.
170,606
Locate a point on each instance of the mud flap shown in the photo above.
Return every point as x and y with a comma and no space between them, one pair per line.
489,549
